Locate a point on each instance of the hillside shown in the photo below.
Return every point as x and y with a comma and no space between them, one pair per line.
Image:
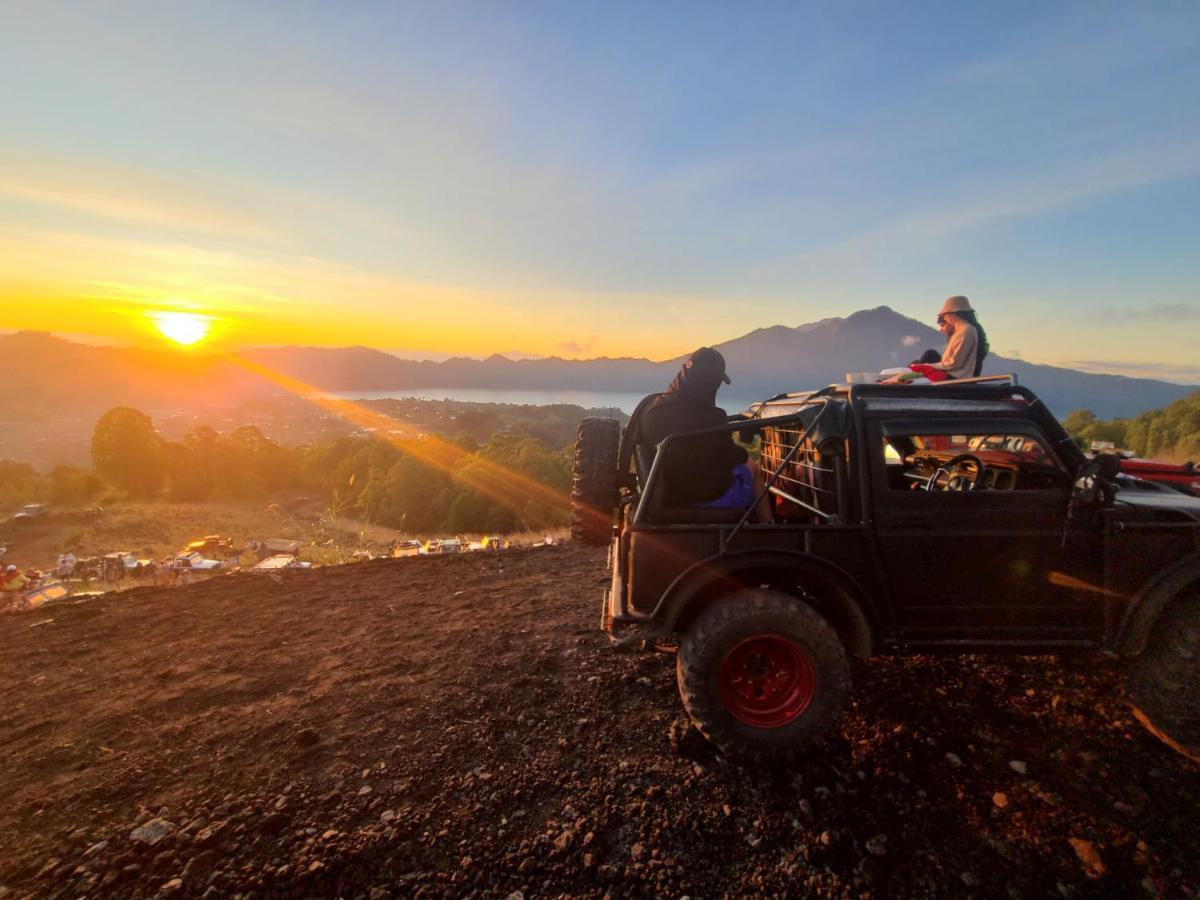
444,726
48,380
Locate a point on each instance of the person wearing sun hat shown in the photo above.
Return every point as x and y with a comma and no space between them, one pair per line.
966,341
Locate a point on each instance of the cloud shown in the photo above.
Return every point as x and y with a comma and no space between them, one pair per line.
1178,373
1163,312
910,340
578,346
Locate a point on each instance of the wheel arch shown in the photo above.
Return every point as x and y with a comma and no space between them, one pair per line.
1150,602
830,590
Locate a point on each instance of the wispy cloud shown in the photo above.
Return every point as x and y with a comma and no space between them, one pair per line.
1163,312
1165,371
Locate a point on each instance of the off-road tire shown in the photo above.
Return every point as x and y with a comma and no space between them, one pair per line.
716,638
594,480
1165,680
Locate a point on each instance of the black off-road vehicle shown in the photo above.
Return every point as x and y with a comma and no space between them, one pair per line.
908,519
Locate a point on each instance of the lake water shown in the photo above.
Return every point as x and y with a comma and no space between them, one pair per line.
622,400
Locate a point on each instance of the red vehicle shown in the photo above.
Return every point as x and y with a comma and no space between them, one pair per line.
1182,476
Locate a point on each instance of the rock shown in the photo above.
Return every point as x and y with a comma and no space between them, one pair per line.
637,851
210,834
1093,865
316,866
171,886
526,864
307,737
387,816
588,860
515,895
152,832
1000,799
607,873
95,848
364,790
563,841
48,869
199,865
954,759
970,879
1017,766
275,823
877,845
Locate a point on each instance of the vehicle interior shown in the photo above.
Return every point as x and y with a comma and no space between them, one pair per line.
972,462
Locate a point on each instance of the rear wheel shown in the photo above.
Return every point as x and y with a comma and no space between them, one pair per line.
762,675
594,480
1165,680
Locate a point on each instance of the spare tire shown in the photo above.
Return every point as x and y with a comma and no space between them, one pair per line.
594,480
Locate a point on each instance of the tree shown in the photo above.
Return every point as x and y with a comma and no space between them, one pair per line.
128,452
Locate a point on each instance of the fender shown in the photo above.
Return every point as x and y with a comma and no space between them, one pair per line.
1140,616
842,592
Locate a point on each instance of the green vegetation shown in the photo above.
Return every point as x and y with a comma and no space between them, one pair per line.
420,484
1169,433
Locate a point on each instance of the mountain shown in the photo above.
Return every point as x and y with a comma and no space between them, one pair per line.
45,376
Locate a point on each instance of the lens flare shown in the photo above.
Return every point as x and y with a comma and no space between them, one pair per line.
182,328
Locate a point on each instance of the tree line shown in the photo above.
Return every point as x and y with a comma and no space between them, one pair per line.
1172,432
509,483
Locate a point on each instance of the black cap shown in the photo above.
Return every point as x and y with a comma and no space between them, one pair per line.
706,359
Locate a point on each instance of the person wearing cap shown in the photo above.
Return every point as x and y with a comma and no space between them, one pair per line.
966,341
708,470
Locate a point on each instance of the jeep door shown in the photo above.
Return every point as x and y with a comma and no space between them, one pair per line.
993,559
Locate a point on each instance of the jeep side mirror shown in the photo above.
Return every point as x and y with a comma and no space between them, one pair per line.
1093,484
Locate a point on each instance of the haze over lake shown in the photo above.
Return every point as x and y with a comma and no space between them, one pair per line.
622,400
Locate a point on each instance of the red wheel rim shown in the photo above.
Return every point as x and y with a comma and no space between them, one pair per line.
767,681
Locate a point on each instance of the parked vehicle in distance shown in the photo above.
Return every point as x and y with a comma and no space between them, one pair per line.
443,546
213,546
1184,477
952,517
194,562
280,561
31,511
401,549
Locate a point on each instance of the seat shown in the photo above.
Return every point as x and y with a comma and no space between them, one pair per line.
643,457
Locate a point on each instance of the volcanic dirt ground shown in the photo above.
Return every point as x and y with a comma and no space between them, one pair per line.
458,725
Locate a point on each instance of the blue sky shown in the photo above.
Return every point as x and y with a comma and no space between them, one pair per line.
607,178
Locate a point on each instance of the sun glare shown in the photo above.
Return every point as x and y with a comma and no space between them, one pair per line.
182,328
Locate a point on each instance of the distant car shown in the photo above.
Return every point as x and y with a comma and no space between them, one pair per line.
194,562
31,511
452,545
1133,483
213,545
406,548
280,561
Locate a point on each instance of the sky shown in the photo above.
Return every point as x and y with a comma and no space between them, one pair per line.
604,179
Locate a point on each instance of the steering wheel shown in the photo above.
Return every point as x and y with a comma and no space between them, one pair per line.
955,478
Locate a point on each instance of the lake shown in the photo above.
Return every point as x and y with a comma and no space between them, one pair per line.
622,400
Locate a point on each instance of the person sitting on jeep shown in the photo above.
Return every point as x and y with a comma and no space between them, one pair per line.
710,470
966,341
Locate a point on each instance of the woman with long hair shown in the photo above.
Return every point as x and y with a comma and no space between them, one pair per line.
966,341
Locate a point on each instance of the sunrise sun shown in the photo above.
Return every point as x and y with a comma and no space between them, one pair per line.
182,328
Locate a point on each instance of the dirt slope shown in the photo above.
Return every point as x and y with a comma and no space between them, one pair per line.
438,726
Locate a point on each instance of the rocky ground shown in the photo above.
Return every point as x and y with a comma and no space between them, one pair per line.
456,726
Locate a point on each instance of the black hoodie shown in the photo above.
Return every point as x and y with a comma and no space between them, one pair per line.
697,470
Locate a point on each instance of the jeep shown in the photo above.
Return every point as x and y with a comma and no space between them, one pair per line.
955,517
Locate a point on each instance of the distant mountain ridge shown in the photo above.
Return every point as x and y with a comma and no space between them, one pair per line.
41,373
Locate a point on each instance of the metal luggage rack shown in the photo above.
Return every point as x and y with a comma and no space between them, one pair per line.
794,469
